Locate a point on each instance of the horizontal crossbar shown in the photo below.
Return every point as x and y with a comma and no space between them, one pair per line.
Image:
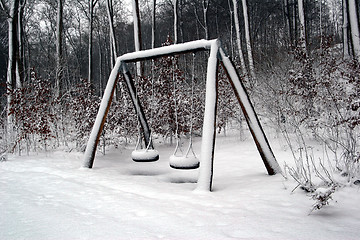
195,46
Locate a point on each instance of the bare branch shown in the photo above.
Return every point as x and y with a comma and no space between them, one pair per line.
22,4
206,4
4,8
197,17
83,8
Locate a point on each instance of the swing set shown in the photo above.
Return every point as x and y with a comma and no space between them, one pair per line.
187,160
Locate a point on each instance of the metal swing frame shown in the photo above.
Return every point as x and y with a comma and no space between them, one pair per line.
217,54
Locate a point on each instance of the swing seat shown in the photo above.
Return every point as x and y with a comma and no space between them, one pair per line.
184,162
145,155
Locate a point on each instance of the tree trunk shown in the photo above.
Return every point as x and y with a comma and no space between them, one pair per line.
346,52
181,22
137,34
205,12
100,65
20,56
11,71
231,30
197,23
289,22
248,40
320,25
90,50
113,48
175,3
59,52
302,25
12,38
295,23
153,25
354,27
238,39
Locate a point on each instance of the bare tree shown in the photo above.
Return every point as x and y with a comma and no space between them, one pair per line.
354,28
302,25
137,34
153,25
59,48
205,13
231,13
113,48
248,40
346,51
12,16
11,12
92,4
20,59
289,21
238,39
175,3
295,23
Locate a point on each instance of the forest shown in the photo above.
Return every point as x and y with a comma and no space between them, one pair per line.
298,59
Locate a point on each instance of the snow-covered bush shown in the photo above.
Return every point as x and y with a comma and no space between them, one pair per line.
82,108
326,103
313,100
121,124
227,108
322,196
31,108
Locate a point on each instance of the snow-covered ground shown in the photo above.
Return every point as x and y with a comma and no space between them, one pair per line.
48,196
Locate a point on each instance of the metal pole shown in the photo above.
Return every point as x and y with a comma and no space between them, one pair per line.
209,128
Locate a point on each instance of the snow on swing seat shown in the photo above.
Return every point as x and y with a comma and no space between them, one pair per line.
145,155
184,162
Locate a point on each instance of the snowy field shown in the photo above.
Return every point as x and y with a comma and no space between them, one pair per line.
48,196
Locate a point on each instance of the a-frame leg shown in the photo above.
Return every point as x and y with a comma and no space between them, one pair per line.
101,117
209,126
139,110
252,120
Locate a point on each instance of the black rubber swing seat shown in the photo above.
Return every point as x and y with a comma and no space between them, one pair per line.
145,155
184,162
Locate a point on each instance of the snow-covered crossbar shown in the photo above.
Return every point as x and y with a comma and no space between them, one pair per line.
199,45
208,135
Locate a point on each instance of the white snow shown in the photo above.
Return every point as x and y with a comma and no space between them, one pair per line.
47,196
